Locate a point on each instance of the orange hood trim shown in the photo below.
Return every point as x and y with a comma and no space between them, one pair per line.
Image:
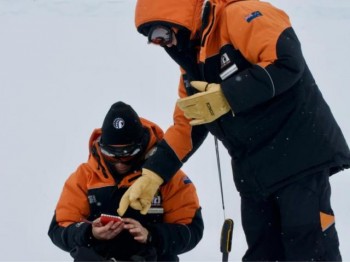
182,13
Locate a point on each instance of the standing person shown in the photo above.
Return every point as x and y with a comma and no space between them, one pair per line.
173,225
244,79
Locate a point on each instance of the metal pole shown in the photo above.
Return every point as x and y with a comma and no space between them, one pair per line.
227,227
220,176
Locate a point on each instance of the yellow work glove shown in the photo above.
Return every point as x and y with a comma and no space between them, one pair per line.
206,106
140,194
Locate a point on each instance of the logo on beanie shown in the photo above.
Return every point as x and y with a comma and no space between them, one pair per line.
118,123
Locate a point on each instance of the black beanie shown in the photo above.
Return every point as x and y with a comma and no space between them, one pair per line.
122,126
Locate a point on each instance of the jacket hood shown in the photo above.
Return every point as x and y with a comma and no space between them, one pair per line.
185,14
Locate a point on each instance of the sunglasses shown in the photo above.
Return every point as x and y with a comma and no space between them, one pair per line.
120,153
160,35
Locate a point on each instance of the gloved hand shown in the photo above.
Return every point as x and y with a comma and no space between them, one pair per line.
140,194
206,106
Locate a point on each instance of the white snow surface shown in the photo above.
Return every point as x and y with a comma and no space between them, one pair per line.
63,63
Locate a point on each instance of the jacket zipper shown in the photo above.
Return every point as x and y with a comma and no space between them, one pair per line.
210,27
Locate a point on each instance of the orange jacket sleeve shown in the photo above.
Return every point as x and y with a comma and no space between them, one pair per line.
73,204
180,200
180,141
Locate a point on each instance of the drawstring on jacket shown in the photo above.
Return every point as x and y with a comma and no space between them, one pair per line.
98,159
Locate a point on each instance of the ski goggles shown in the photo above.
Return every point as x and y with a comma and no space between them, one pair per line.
160,35
120,153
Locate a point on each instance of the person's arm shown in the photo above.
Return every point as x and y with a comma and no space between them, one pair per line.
267,40
69,237
66,229
180,141
183,224
177,238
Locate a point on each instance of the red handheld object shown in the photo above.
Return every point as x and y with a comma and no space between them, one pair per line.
105,219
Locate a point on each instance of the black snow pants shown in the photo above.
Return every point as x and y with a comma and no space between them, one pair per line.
296,223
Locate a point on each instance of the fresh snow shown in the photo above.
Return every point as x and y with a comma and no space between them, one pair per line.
64,62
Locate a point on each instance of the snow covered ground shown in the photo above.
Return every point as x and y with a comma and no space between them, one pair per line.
64,62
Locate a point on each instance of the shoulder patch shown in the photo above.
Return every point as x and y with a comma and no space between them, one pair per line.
252,16
187,180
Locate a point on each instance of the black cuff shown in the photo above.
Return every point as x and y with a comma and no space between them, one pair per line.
90,240
153,238
149,238
164,162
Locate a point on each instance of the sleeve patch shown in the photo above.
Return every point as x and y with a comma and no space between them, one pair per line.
252,16
187,180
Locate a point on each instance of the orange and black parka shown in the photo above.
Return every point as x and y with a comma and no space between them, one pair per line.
174,219
280,127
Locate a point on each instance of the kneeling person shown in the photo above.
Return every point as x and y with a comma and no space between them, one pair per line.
173,224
